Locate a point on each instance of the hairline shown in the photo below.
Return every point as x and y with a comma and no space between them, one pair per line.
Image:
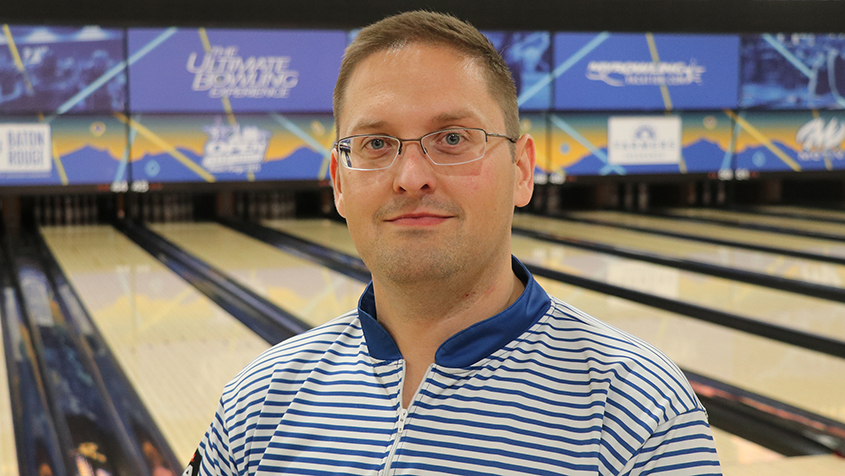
487,74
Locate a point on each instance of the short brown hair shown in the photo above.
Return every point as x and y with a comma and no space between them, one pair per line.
433,29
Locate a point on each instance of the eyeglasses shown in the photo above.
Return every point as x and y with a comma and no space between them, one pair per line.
445,147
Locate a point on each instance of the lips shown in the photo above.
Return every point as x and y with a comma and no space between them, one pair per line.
418,219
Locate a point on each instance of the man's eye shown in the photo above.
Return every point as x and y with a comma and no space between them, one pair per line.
453,138
376,144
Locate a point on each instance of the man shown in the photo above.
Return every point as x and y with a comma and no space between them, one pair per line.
456,361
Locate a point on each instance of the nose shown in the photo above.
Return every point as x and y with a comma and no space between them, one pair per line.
414,171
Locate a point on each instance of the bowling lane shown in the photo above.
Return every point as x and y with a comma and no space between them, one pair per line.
176,346
732,257
795,311
804,212
801,377
8,451
805,224
821,465
312,293
831,248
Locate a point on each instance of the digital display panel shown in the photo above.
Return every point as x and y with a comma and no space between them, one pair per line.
246,147
199,70
56,70
790,141
528,55
584,144
628,71
792,71
66,150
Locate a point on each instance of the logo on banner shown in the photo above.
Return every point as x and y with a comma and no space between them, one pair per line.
645,73
224,73
644,140
819,141
233,149
25,148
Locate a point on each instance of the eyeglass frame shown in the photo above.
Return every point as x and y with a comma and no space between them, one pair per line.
487,135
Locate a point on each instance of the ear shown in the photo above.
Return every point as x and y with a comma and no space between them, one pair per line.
525,161
336,185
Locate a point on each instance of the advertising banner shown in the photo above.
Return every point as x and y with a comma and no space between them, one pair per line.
199,70
536,124
61,69
603,71
790,141
600,144
793,71
529,58
643,140
68,150
248,147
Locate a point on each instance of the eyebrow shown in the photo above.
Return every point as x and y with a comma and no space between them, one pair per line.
443,118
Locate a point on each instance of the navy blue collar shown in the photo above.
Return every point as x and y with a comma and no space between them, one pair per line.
473,343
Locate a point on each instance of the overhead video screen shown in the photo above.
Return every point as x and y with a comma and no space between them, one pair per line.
536,124
628,71
199,70
220,147
602,144
61,69
67,150
791,141
528,55
793,71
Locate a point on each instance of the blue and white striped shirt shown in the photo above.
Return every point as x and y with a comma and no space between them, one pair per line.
540,388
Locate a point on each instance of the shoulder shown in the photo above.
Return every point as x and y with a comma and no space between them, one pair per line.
636,373
294,357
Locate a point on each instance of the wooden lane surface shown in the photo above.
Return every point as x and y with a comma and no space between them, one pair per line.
705,348
761,219
310,292
176,346
818,246
777,265
808,213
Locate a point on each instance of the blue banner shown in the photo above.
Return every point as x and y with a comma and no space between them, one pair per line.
603,71
528,55
65,150
198,70
217,148
54,70
794,71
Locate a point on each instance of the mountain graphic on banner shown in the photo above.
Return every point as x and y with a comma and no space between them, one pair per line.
301,164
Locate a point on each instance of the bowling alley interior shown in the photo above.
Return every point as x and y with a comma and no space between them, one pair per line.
168,212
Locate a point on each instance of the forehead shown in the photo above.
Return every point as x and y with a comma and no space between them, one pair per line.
417,85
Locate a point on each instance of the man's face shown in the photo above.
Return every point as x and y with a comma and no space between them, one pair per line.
417,221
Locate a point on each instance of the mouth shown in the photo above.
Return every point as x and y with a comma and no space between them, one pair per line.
418,219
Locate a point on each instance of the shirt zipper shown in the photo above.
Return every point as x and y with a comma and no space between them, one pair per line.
403,416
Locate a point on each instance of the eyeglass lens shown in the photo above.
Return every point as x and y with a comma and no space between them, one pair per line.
446,147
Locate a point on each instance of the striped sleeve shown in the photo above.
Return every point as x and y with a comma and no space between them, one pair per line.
213,457
682,446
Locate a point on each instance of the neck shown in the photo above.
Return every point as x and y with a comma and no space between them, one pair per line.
420,317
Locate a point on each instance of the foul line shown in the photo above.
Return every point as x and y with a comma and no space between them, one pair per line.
167,147
765,140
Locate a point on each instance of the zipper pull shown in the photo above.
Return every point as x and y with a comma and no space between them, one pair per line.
403,413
